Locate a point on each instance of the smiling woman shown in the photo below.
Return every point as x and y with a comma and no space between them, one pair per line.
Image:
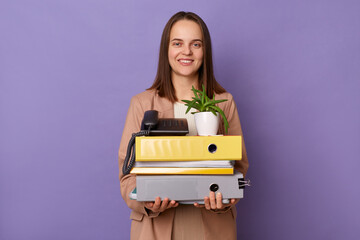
185,60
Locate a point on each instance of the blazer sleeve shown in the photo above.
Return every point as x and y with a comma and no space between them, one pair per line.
128,182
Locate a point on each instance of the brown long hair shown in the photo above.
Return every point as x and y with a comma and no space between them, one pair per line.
163,81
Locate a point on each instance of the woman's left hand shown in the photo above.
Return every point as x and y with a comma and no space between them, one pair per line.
213,202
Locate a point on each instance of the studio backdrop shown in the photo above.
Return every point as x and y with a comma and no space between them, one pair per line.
69,68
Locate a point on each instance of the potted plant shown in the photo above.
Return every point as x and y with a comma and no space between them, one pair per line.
207,116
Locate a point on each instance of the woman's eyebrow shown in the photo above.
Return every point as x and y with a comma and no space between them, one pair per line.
194,40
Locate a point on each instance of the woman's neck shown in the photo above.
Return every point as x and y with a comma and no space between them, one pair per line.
183,85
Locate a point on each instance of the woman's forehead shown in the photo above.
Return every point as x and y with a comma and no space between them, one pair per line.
186,30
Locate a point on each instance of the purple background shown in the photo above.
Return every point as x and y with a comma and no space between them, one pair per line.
68,69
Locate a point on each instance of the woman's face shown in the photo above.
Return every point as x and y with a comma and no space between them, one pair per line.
185,48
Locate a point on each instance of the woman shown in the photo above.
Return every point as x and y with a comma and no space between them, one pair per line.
185,59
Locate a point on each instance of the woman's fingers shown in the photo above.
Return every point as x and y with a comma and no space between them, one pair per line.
207,203
169,204
149,204
164,205
160,206
215,202
156,205
219,204
212,200
199,205
172,204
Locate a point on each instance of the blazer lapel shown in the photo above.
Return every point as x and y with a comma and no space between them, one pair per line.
164,107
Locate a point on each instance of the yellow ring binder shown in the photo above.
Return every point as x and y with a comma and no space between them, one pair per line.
188,148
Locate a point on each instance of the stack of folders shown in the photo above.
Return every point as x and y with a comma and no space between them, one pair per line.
186,155
181,160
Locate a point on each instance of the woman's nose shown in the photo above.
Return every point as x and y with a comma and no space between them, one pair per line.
187,50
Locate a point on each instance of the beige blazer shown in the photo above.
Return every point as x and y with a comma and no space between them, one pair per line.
159,226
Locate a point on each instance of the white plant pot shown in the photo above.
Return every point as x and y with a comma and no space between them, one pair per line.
207,123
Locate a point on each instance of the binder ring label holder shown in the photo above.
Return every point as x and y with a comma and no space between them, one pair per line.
212,148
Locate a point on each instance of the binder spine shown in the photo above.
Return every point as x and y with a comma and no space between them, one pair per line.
182,171
185,188
188,148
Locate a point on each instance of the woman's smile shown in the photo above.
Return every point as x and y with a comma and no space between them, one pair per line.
185,62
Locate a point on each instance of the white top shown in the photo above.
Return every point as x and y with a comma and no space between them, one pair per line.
179,112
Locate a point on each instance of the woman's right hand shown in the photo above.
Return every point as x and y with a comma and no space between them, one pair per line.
160,206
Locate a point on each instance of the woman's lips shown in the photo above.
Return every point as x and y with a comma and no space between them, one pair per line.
185,62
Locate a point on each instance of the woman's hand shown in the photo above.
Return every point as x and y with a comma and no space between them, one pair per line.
159,206
213,202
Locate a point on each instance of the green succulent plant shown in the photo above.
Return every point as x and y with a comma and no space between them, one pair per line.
203,103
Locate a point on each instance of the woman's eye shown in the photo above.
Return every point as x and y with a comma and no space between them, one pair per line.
197,45
177,44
